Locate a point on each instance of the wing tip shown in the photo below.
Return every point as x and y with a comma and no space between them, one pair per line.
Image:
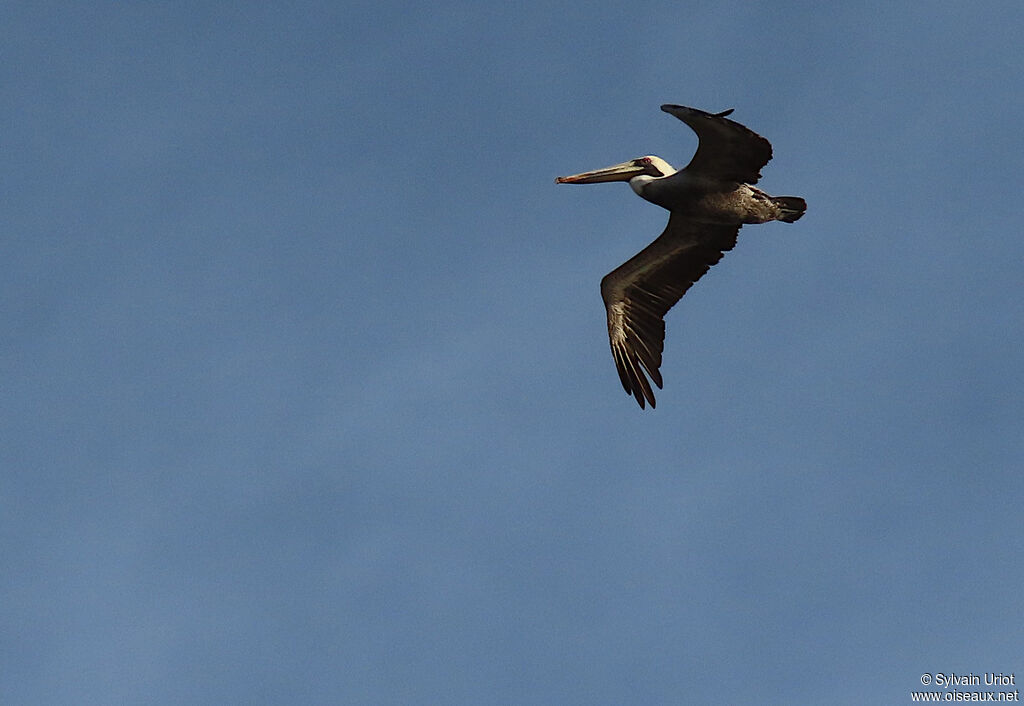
631,374
646,395
673,109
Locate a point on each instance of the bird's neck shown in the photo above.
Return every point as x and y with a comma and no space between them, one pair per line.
657,190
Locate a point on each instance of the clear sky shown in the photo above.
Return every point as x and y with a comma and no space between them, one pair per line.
306,389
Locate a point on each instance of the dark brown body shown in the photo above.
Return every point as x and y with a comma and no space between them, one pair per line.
706,201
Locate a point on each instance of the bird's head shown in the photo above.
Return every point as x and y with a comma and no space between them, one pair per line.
649,166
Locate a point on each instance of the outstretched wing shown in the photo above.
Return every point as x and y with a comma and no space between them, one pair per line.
727,151
639,293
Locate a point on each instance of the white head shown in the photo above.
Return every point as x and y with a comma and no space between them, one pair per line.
638,172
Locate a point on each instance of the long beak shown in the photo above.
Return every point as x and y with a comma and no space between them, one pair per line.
619,172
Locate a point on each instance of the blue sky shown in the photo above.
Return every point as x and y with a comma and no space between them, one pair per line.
307,395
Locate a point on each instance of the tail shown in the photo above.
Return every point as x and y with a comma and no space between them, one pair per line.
790,207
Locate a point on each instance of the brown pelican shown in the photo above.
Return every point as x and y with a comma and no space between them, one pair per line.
707,201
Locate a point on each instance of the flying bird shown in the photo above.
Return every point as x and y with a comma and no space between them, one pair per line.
707,202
